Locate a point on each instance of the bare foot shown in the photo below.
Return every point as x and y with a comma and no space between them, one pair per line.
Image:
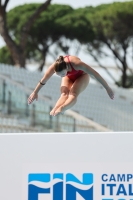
52,112
59,111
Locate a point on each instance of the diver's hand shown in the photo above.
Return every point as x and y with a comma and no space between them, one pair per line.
110,92
32,97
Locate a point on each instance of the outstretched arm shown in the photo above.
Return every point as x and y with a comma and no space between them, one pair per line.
86,68
42,82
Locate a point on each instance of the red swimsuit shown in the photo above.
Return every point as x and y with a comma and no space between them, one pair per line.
74,74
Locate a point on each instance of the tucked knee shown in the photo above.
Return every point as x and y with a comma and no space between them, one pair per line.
74,94
65,94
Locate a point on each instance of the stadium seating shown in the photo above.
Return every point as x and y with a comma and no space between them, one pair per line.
94,103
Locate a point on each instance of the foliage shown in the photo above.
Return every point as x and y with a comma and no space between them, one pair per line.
5,56
44,26
109,25
17,45
44,31
76,26
113,28
129,81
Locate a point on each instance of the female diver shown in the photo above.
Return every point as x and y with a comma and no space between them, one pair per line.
75,78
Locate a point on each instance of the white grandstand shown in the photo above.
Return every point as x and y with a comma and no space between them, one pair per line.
94,111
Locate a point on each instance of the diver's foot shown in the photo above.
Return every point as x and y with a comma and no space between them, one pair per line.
59,111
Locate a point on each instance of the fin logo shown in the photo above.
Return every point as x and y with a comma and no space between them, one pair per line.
59,186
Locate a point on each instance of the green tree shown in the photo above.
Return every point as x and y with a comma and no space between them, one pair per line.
62,23
17,48
113,27
129,81
5,56
43,33
56,25
74,26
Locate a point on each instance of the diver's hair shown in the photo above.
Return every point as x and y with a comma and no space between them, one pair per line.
60,64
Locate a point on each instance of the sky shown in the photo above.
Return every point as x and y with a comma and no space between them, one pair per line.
73,3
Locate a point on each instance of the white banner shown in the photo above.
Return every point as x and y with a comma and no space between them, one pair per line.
66,166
